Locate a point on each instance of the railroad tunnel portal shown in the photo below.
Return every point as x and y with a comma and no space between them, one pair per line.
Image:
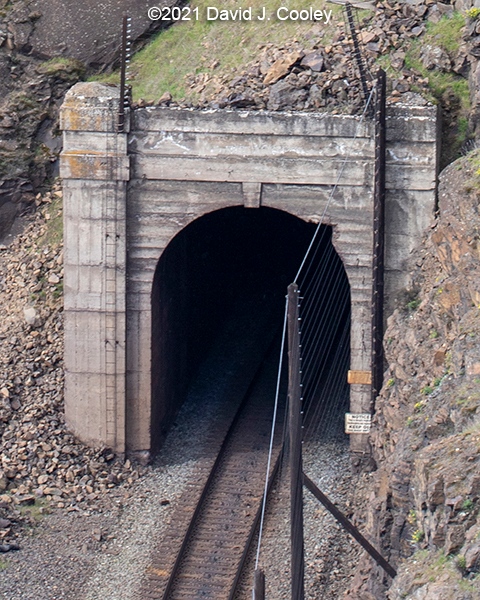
225,275
127,196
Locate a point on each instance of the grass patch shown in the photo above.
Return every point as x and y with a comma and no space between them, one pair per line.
192,47
447,33
58,291
4,565
61,64
431,566
413,305
36,512
22,102
470,585
54,232
447,89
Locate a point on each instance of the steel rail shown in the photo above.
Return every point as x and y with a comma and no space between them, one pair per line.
200,504
253,529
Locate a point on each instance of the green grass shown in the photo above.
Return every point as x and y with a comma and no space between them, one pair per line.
61,63
435,565
413,305
58,290
447,33
36,512
191,47
470,586
176,55
4,564
447,89
54,232
22,102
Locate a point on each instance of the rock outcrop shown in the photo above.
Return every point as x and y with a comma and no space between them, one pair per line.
45,47
425,507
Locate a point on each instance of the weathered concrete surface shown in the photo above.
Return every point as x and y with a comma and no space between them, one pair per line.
185,164
95,265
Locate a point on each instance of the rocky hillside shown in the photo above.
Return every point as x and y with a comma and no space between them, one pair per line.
425,506
294,65
45,47
41,463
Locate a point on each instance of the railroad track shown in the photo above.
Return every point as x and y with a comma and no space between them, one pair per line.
203,552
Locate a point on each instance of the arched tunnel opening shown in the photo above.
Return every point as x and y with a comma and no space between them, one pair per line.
228,271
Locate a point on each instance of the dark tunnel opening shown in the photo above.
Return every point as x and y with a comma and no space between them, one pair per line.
233,266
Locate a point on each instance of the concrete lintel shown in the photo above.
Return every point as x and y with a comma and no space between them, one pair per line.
252,194
240,168
255,122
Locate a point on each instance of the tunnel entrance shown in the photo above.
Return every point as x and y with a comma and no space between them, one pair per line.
227,274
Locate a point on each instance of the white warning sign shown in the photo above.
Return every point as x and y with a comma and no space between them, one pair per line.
358,423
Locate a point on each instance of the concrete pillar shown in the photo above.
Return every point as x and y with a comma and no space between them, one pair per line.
95,169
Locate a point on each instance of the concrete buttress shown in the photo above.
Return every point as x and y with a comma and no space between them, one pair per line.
95,169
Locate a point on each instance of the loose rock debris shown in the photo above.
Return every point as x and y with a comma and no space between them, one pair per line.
42,465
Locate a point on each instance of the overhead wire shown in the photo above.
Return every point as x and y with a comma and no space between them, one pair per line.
311,342
272,433
320,404
315,282
311,393
334,189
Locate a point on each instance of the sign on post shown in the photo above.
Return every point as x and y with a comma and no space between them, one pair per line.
357,423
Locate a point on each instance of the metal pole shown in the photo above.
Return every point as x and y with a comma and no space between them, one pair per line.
259,585
357,53
295,425
378,238
123,66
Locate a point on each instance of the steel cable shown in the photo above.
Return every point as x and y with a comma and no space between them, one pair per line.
272,434
324,406
332,193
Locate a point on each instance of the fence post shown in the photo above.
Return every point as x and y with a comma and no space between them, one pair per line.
295,426
259,585
378,239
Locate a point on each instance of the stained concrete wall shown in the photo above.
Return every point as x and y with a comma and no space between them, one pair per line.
182,164
95,168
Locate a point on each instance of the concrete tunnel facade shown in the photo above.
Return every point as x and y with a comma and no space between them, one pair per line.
127,196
